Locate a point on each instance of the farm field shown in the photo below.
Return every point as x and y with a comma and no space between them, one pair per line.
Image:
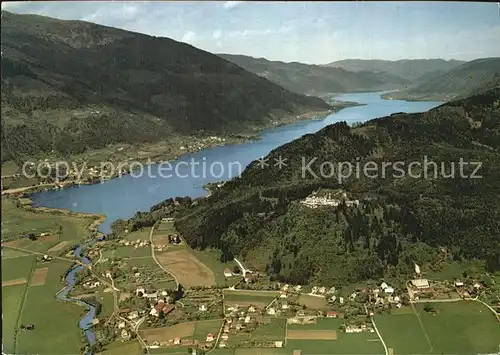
324,337
12,253
127,252
187,268
119,348
245,298
49,316
274,330
464,327
12,297
210,258
18,221
312,302
17,268
188,330
139,234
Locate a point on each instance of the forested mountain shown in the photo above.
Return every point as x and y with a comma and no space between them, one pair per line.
400,219
71,85
466,79
315,79
410,69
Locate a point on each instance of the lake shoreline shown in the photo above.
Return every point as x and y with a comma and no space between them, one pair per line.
27,191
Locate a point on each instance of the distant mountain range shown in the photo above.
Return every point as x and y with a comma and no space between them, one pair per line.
71,85
315,79
462,81
409,69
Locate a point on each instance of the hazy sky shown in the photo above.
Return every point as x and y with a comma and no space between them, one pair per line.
310,32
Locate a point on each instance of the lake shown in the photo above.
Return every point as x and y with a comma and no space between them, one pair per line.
123,197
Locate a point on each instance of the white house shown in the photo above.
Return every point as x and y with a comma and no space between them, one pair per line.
247,319
420,283
202,308
322,290
284,305
278,344
458,283
341,300
227,273
283,295
141,290
251,309
210,337
389,290
271,311
384,285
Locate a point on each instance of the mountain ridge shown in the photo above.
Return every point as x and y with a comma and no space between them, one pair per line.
315,79
72,85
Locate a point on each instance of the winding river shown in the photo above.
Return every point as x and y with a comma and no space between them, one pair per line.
124,196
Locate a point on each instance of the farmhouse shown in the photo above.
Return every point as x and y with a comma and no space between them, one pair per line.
177,341
155,311
278,344
251,309
224,337
202,308
210,337
227,273
331,314
420,283
458,283
271,311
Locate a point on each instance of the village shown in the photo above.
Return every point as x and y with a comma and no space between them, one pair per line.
233,317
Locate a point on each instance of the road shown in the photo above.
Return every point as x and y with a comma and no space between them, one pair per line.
38,253
240,264
156,260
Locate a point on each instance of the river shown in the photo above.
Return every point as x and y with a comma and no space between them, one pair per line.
124,196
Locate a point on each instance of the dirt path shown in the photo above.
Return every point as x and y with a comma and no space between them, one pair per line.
39,253
21,308
156,260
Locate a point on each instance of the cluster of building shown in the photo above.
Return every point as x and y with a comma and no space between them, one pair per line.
314,201
136,244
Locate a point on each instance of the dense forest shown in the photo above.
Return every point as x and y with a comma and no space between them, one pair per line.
399,221
69,86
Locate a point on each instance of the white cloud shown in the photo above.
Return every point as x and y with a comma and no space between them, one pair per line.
189,36
231,4
217,34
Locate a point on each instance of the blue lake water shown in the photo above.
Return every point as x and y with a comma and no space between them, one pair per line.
123,197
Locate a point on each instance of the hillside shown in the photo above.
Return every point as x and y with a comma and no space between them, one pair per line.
466,79
410,69
69,86
400,220
315,79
